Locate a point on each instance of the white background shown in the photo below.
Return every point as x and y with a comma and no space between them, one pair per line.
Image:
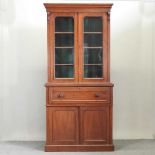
23,69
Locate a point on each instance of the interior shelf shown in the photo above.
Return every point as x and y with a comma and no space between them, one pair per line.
64,47
64,32
93,47
92,64
92,32
64,64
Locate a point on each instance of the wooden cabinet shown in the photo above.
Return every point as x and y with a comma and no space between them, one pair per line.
78,91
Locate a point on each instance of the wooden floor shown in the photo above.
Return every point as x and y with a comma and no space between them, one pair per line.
122,147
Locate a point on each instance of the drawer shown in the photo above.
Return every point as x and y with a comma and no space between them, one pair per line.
79,94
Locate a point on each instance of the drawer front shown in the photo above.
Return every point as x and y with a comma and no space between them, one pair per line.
79,94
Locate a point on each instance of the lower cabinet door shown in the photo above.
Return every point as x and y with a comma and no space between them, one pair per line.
94,125
62,125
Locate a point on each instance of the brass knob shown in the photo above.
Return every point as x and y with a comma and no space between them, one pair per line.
61,95
97,95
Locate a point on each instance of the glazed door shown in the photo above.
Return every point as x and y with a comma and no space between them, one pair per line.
62,40
93,49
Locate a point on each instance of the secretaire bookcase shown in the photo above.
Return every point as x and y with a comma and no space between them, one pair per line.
78,91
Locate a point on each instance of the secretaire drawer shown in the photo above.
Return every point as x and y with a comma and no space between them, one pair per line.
79,93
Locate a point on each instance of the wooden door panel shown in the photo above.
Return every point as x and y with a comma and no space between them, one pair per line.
94,125
62,125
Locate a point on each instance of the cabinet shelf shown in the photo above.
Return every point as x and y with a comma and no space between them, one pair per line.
93,47
92,32
92,64
64,47
64,64
64,32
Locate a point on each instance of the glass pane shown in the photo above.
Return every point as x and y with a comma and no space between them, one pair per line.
64,24
64,56
93,47
92,71
64,40
93,24
93,56
92,40
64,71
64,47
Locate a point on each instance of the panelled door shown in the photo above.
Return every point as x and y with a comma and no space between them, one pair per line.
62,125
94,125
78,125
93,49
